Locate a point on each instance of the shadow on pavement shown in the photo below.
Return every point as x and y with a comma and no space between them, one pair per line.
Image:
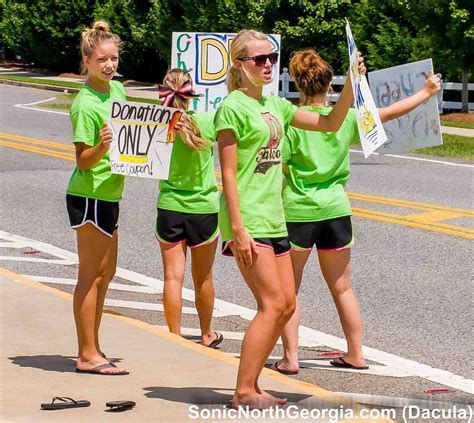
50,363
208,396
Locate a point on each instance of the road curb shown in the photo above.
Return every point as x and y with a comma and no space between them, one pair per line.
39,86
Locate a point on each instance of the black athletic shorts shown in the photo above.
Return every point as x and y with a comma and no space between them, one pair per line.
280,246
331,235
174,227
102,214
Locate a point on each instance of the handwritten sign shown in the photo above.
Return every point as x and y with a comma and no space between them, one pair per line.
417,129
142,135
371,132
206,56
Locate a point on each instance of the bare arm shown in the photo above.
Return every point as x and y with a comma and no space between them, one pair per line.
304,119
402,107
87,156
244,245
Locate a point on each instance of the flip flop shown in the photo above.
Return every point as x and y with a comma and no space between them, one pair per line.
346,365
117,406
63,403
97,370
216,341
275,367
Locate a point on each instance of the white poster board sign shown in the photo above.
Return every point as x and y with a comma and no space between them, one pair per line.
206,56
140,134
417,129
371,132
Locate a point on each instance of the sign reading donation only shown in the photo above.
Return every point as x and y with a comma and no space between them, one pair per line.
421,127
371,132
143,138
206,57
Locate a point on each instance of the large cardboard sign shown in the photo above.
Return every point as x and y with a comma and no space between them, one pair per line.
142,139
371,132
417,129
206,56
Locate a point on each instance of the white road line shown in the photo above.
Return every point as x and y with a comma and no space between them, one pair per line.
20,106
36,102
137,305
8,244
420,159
112,286
397,402
37,260
223,308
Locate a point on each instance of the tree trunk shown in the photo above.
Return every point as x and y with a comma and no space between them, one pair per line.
465,92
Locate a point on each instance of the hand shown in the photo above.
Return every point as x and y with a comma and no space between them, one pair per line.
432,84
105,135
362,68
180,123
244,248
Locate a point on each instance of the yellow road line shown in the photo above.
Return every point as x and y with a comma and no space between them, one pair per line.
42,151
11,137
434,216
406,203
401,220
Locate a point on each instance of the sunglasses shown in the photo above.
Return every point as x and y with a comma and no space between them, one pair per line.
261,59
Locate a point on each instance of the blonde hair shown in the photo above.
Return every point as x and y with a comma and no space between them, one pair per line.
190,133
311,73
238,48
92,37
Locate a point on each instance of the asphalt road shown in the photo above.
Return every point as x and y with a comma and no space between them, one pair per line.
414,285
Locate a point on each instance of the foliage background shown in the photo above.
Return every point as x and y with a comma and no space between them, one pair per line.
390,32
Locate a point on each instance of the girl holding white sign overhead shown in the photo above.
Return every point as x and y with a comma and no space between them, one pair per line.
250,128
94,193
317,208
187,210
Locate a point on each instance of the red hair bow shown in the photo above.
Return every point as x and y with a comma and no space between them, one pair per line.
185,92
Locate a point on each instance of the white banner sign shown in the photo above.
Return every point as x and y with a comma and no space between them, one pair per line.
371,132
206,56
140,135
417,129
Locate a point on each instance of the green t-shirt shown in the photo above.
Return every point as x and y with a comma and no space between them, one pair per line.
191,186
88,112
316,169
259,126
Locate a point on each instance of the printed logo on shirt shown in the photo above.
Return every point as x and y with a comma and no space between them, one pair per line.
270,155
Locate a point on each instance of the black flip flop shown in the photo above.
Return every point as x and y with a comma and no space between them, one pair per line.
97,370
61,403
345,365
118,406
216,341
283,371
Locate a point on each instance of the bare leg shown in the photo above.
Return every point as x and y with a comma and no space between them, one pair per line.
102,291
335,266
97,258
289,362
202,259
271,281
174,264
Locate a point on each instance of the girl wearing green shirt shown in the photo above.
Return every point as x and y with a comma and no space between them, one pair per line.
317,208
250,130
187,210
93,194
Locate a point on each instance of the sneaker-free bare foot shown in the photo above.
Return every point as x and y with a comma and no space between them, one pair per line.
254,401
284,367
99,366
281,401
212,340
349,363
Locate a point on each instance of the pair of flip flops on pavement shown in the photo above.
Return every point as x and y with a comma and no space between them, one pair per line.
99,370
343,364
63,403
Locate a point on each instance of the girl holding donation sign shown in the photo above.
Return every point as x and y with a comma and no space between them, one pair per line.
317,208
93,194
250,128
187,209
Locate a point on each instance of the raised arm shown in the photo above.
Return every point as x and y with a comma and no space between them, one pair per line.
402,107
304,119
87,156
244,245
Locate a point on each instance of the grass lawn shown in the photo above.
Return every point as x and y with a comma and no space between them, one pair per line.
468,125
454,146
65,84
